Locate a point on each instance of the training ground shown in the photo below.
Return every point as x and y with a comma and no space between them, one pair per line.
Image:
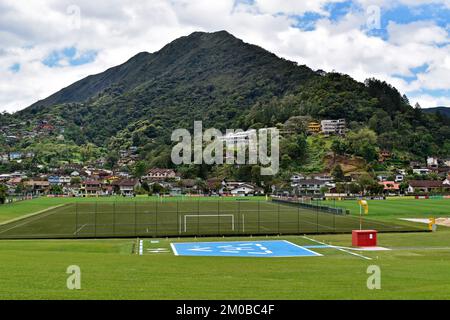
98,235
183,218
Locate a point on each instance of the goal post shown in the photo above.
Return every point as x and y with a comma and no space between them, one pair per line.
189,217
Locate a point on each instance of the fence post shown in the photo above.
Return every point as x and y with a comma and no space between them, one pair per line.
298,219
135,218
76,220
259,217
239,215
114,218
278,218
218,217
156,220
95,219
317,217
334,222
198,217
178,218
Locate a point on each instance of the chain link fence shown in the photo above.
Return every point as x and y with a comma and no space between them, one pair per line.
101,219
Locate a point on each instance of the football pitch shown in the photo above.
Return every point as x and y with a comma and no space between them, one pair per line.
320,265
174,218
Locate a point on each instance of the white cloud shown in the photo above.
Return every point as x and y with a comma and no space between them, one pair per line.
119,29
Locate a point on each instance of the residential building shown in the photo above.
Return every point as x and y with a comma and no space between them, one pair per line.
432,162
127,186
38,187
90,188
330,127
390,186
422,171
160,174
311,186
424,186
314,127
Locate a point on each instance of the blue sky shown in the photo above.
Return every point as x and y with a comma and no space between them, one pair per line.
71,39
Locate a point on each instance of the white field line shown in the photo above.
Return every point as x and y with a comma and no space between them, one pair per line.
31,214
175,252
31,220
337,248
80,228
141,247
306,249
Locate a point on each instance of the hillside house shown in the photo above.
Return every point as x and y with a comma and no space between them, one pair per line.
426,186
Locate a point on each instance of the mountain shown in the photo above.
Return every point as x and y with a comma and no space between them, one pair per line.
228,83
442,110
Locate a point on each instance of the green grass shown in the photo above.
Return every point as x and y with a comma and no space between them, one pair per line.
416,268
394,209
21,208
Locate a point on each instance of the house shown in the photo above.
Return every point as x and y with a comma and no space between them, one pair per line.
446,182
330,127
382,177
314,127
446,162
311,186
15,156
424,186
127,186
245,189
38,187
160,174
421,171
239,188
90,188
390,186
384,155
296,178
322,176
432,162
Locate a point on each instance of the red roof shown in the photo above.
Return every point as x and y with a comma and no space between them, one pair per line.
390,185
425,183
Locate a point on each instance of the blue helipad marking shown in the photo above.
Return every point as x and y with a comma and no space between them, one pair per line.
276,248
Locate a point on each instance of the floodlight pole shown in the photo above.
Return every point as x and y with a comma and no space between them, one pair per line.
360,216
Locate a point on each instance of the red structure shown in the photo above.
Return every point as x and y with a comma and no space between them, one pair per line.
364,238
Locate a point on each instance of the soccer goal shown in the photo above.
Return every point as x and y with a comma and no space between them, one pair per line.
227,220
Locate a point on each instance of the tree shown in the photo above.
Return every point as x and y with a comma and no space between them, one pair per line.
365,182
338,173
112,159
139,169
3,193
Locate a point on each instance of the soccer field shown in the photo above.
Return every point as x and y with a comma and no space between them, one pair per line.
171,218
416,267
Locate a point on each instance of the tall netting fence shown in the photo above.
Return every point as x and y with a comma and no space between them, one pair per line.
184,218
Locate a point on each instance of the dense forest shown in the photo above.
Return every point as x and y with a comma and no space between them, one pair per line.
227,83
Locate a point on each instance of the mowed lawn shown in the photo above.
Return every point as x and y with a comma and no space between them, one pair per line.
416,268
398,208
189,217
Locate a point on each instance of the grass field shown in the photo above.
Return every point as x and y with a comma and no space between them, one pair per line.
185,218
416,268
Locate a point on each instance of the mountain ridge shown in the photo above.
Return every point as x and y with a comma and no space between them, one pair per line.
227,83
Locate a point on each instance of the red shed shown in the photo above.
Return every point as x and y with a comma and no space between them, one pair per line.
364,238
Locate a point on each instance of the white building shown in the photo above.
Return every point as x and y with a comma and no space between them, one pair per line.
432,162
333,126
423,171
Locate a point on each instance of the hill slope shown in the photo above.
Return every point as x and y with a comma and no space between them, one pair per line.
227,83
442,110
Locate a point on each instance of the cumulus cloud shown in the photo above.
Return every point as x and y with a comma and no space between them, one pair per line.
114,30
